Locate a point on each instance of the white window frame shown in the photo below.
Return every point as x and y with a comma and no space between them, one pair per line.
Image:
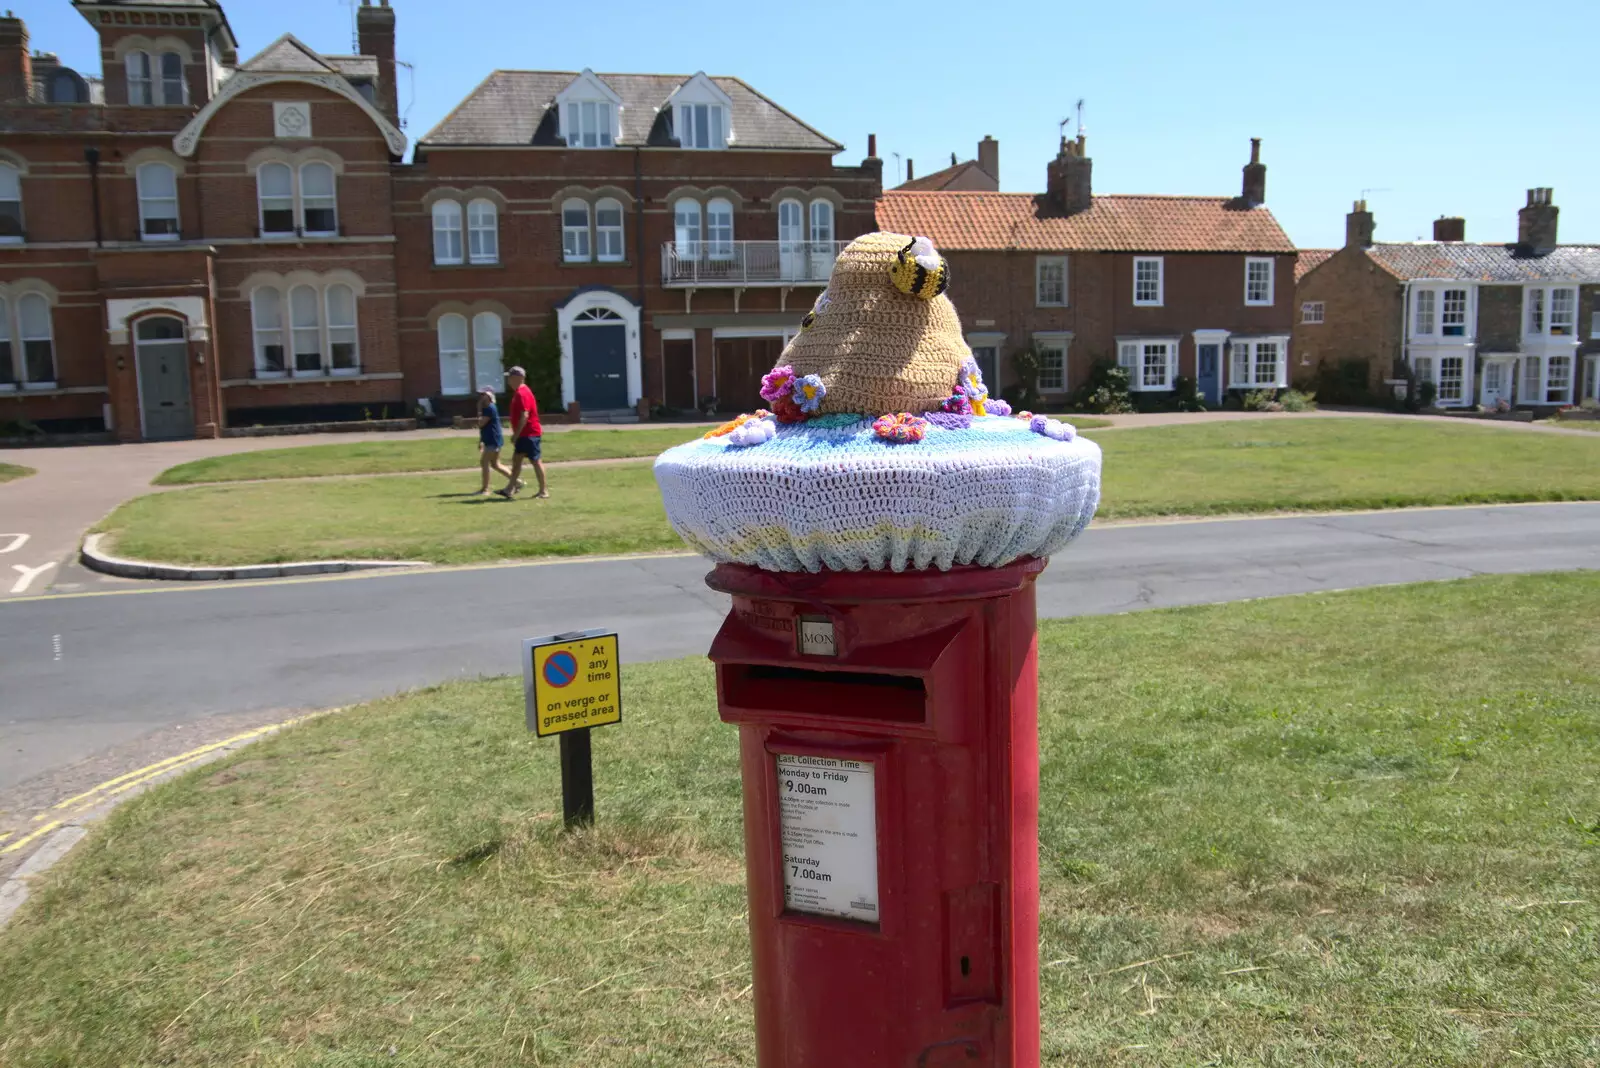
464,353
1041,264
1539,311
170,97
275,167
141,88
1562,394
610,242
1051,341
576,246
1425,320
1459,394
1244,363
1139,356
719,237
821,219
17,341
687,239
589,123
1534,311
11,193
334,333
1266,264
1160,280
262,335
701,126
481,348
297,328
483,231
285,332
331,197
449,228
1313,312
145,216
1530,390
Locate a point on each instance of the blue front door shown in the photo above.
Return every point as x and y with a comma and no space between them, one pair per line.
600,366
1208,374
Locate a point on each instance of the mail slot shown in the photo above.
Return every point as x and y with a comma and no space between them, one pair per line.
891,812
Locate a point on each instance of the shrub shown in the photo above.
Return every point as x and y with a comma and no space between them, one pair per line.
540,356
1186,393
1426,393
1105,391
1343,383
1262,400
1024,394
1294,400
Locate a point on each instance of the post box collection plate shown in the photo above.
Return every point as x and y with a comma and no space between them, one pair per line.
827,812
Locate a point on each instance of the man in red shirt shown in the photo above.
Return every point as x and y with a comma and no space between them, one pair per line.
526,433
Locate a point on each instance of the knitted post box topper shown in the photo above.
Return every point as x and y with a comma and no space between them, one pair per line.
878,446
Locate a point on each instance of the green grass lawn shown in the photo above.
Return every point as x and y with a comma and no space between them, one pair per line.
1212,469
1574,424
427,454
11,472
1368,832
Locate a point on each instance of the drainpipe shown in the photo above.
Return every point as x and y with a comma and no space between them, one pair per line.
638,247
91,155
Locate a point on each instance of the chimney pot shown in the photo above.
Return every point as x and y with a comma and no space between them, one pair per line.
1449,228
872,146
1255,150
910,170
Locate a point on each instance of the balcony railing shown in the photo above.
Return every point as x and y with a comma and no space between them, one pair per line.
748,263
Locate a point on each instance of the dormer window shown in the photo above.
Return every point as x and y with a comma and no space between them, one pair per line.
588,123
156,79
701,125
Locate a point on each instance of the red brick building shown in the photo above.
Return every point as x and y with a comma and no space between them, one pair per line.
192,242
1516,322
1168,286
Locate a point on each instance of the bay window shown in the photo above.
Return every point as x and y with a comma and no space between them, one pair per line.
1422,319
1558,380
1258,363
1453,318
1552,311
1452,380
1152,364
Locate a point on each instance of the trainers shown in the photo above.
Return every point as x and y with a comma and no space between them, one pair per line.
506,493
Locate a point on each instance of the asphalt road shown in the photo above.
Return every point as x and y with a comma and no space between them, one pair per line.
81,674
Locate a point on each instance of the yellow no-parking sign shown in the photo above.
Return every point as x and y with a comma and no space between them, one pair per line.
572,681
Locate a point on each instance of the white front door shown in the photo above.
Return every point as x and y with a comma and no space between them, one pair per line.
1496,383
791,240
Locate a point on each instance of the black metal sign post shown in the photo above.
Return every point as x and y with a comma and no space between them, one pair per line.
573,682
577,779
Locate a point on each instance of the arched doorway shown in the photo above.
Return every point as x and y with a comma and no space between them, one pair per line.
600,360
161,356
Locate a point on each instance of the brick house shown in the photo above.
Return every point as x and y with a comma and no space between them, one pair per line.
1510,321
981,174
1168,286
200,241
676,228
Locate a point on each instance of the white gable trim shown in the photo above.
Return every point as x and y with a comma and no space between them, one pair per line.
700,89
588,86
188,138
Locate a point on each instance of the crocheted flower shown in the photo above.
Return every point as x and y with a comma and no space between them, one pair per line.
785,410
808,393
900,428
949,420
777,383
753,432
729,427
957,404
1024,415
995,406
970,385
1052,428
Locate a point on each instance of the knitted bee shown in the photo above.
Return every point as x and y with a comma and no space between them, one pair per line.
919,271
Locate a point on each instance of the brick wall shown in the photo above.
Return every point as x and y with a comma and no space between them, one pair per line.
1361,318
1499,318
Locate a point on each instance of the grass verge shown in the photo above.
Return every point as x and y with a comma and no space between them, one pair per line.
12,472
1367,834
1574,424
1197,469
427,454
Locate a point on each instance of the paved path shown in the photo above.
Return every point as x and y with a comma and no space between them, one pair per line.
84,674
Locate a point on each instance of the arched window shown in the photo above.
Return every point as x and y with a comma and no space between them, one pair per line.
455,364
305,330
158,202
38,348
686,228
318,202
10,203
275,192
174,92
719,229
8,366
446,232
483,225
822,222
487,349
575,231
608,231
344,347
266,311
140,90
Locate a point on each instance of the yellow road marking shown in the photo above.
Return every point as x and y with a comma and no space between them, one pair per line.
20,842
5,835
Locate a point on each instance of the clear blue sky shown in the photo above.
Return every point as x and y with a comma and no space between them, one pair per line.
1440,108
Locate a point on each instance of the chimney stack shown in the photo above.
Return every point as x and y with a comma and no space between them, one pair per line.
1255,177
911,170
1449,228
1358,226
872,146
375,37
1069,178
16,62
1536,223
989,157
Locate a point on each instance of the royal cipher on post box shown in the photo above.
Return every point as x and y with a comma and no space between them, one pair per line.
879,530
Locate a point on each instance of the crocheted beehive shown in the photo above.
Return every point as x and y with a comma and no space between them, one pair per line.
885,451
878,349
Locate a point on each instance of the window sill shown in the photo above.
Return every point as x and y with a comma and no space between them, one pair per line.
602,263
1150,389
308,380
160,238
13,240
1148,304
486,265
1259,303
1043,305
27,387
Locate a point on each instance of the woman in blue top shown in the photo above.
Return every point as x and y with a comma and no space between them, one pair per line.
491,439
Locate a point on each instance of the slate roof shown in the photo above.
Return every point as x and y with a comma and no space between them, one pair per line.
1309,259
517,107
939,180
290,55
354,66
1027,221
1487,263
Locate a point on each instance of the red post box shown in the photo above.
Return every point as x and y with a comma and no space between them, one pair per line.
889,750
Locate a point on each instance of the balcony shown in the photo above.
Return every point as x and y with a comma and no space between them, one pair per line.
737,264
